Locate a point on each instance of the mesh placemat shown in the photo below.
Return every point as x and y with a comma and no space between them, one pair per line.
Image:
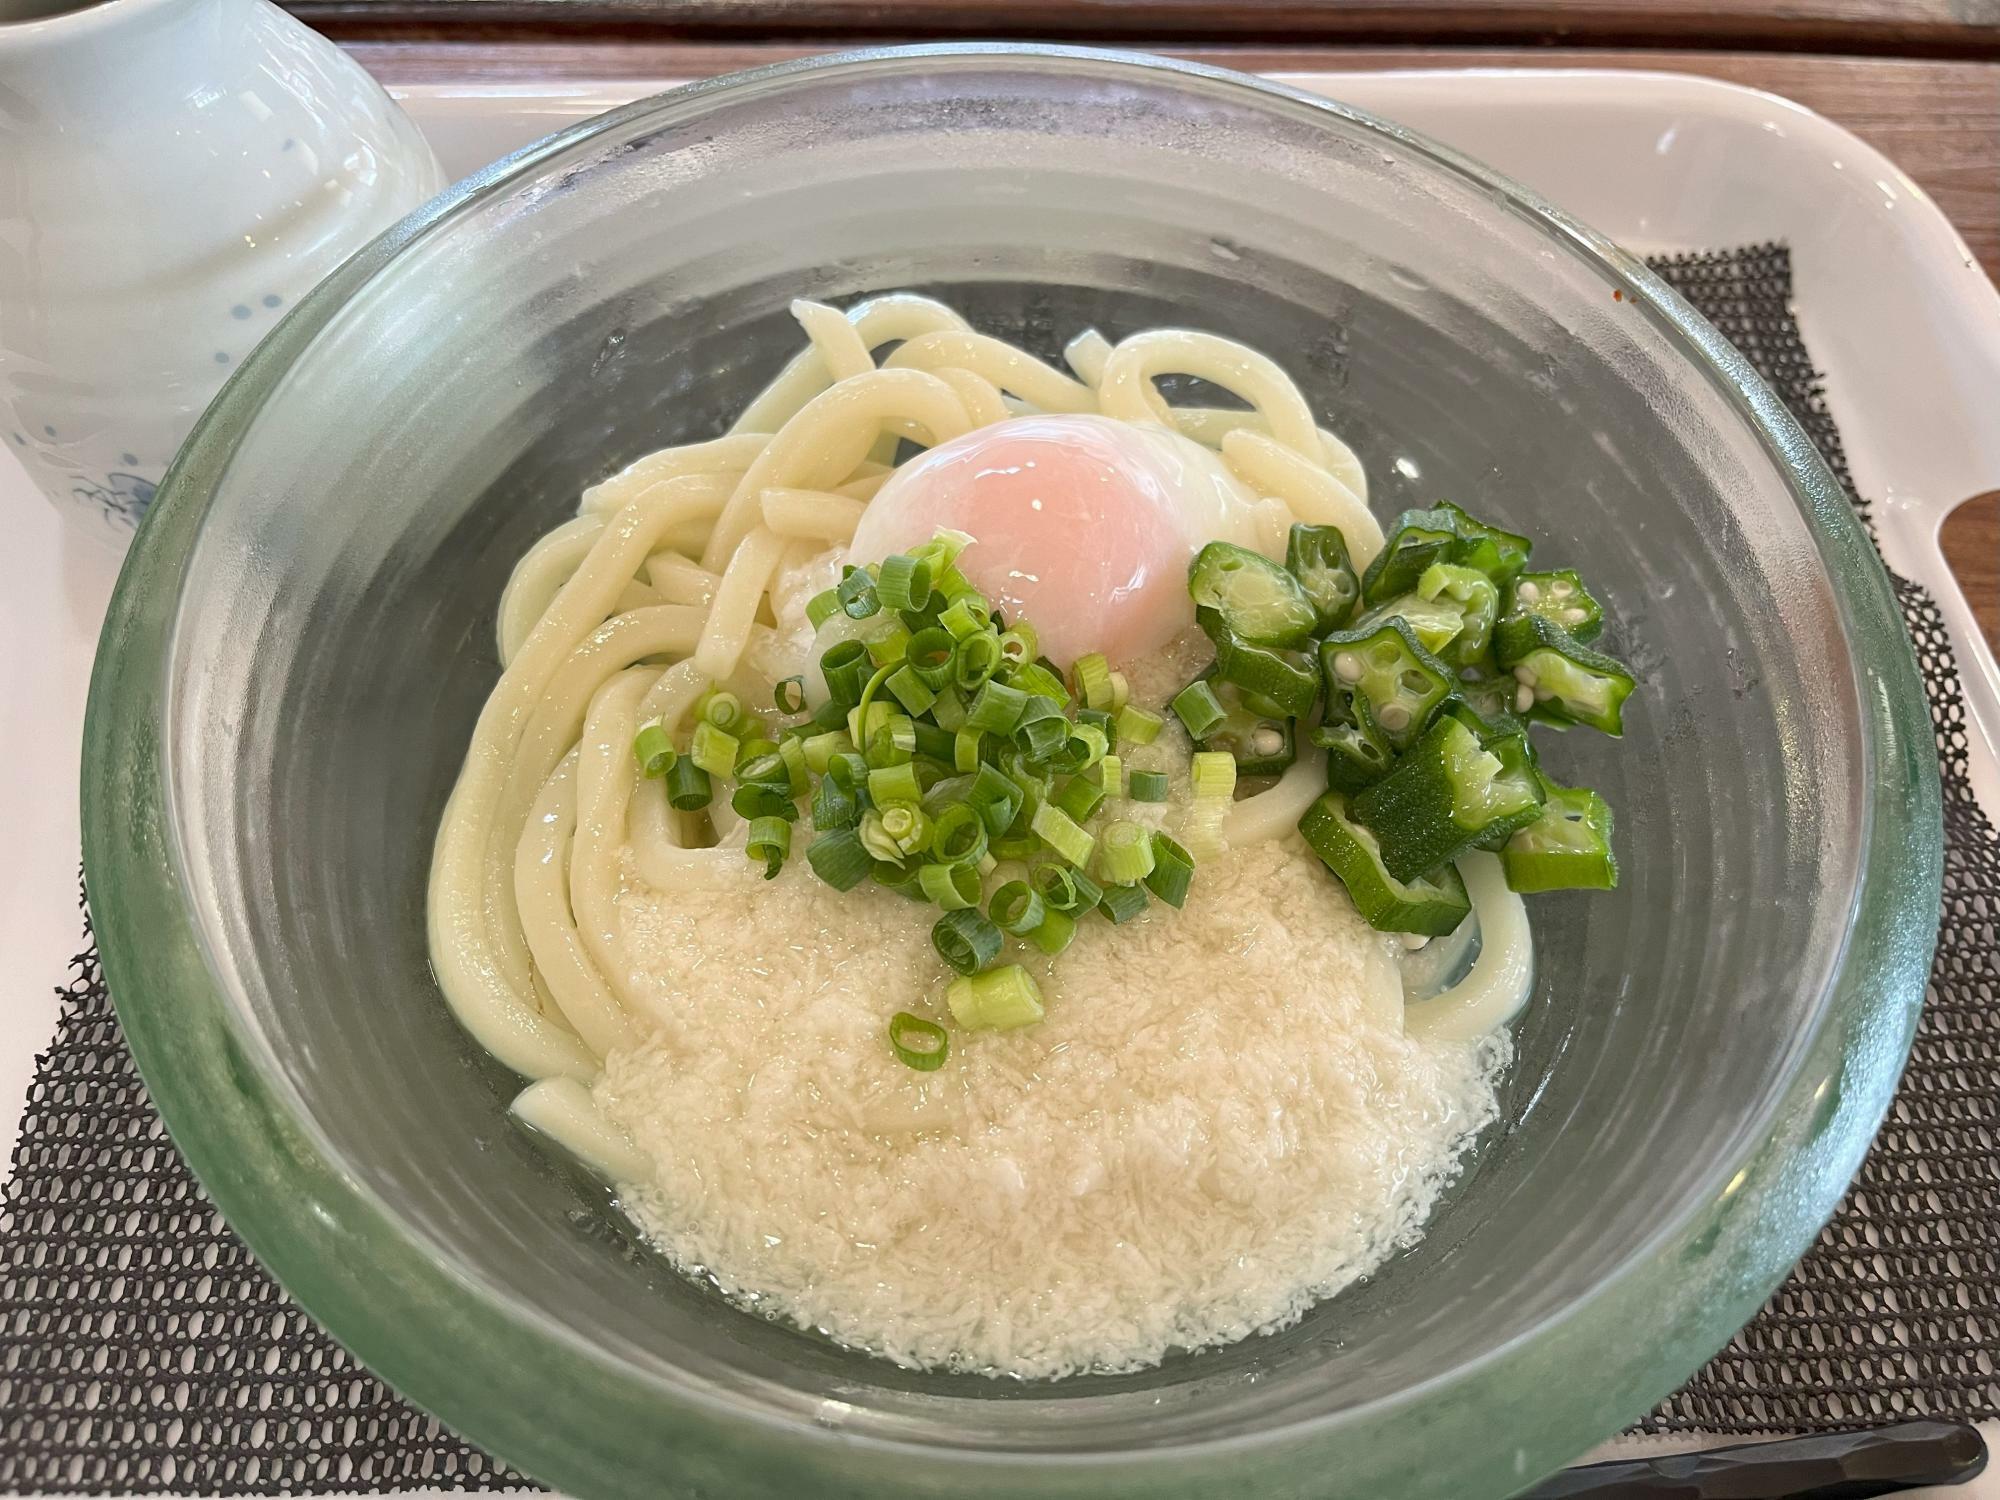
141,1349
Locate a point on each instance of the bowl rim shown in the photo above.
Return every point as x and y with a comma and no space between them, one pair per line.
346,1258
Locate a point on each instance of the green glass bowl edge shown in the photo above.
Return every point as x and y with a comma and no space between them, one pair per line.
555,1409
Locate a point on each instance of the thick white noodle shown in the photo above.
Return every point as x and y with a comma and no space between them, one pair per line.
726,455
1314,495
1209,425
1127,392
831,434
538,575
679,579
1087,354
562,1110
1493,993
815,515
999,364
605,774
878,321
730,617
1275,811
541,890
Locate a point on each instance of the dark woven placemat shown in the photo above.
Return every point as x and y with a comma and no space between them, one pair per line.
142,1350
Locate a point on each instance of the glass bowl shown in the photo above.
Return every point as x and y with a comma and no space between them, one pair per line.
305,631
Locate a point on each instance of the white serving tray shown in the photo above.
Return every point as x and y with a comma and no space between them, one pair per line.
1895,309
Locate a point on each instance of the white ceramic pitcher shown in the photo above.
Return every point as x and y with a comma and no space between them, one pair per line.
174,174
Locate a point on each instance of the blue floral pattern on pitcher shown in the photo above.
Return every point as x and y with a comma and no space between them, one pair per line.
119,497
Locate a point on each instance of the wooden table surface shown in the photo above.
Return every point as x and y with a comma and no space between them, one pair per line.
1919,79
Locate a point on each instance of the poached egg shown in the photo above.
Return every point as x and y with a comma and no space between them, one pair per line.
1083,524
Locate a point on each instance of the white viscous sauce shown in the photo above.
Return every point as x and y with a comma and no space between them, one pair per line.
1220,1121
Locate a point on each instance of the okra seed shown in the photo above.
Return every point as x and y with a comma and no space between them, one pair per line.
1572,617
1529,592
1267,742
1525,676
1394,718
1412,941
1347,667
1524,698
1559,589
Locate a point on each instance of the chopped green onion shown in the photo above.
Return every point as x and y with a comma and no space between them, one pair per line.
652,748
1111,775
965,750
820,749
1214,776
688,786
763,766
1198,709
1173,871
958,836
1017,843
888,648
856,593
792,750
877,840
1054,933
1066,890
1038,681
998,707
714,750
770,840
945,545
834,806
905,582
1016,908
1147,786
1055,828
967,615
1092,675
999,1001
1124,853
1121,692
887,784
1138,726
918,1043
910,690
929,655
838,857
1019,644
1041,731
829,716
759,799
822,607
976,658
723,709
901,828
789,696
997,797
845,668
966,941
952,586
950,887
1079,798
1083,747
756,750
948,713
934,742
1121,903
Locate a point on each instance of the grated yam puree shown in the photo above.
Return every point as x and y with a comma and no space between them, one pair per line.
1220,1121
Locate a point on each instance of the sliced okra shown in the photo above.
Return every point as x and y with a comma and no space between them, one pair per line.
1317,556
1431,905
1571,683
1566,848
1447,792
1385,670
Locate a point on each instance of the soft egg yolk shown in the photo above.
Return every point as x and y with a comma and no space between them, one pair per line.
1082,524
